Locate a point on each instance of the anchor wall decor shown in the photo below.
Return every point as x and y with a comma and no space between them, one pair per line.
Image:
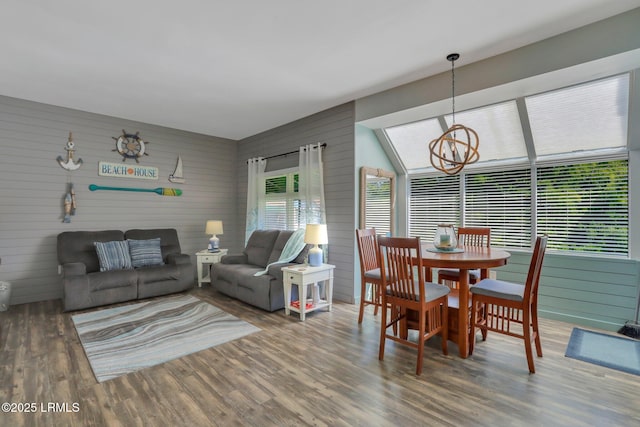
69,164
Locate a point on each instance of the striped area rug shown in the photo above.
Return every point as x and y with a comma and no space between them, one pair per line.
124,339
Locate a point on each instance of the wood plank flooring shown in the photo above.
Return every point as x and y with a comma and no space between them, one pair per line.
322,372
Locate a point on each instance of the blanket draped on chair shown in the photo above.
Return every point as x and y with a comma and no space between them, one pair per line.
291,249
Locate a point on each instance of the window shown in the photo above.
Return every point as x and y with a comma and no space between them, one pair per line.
499,130
584,207
579,118
581,207
502,201
411,141
282,204
433,201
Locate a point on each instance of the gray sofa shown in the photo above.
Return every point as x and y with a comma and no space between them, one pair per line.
234,274
84,285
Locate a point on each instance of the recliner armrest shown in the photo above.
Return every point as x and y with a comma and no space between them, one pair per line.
234,259
74,269
179,259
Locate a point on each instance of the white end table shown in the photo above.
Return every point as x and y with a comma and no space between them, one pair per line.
206,258
302,276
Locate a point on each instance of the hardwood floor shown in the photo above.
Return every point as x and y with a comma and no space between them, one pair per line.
323,372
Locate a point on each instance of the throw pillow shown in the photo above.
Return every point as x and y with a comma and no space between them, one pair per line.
145,252
113,255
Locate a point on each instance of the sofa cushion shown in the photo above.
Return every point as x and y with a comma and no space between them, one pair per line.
145,252
279,244
78,246
113,255
233,273
259,247
158,273
100,281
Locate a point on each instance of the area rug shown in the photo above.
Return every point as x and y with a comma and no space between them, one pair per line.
611,351
124,339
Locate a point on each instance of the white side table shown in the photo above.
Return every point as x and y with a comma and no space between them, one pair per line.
206,258
303,276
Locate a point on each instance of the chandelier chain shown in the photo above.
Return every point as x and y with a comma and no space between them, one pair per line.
453,92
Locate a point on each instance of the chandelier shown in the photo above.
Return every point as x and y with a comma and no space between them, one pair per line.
458,146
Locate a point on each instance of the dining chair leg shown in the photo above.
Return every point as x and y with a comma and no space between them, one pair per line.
482,313
404,328
383,332
472,332
363,294
395,313
536,331
527,343
376,297
445,326
421,331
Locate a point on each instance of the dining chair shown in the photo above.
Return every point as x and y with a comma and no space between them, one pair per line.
370,277
510,308
407,291
467,236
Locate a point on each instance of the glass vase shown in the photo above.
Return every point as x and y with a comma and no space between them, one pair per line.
445,237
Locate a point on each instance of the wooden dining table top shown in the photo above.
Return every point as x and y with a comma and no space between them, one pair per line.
472,257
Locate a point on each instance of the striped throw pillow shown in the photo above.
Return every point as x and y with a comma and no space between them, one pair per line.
113,255
145,252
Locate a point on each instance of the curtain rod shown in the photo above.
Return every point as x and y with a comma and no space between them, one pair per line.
323,145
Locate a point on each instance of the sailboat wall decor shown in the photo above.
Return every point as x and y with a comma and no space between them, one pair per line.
177,175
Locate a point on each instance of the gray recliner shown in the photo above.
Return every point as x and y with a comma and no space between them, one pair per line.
235,276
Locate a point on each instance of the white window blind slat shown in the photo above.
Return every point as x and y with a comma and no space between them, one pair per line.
502,201
584,207
433,201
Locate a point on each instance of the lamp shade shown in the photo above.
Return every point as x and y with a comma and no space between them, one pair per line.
213,227
316,234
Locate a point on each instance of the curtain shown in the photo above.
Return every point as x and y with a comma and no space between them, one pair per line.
311,185
255,195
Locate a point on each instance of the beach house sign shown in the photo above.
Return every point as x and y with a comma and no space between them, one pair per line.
121,170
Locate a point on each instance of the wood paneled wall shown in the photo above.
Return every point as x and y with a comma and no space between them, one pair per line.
335,127
33,135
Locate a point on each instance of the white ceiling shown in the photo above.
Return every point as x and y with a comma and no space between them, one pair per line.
235,68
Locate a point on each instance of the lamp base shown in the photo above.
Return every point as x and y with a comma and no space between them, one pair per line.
214,244
315,256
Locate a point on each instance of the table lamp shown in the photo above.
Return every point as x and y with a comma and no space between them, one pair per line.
316,234
213,228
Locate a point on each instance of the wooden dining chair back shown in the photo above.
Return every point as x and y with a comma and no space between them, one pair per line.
510,308
407,292
467,236
370,277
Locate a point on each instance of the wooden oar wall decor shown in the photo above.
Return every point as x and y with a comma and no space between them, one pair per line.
163,191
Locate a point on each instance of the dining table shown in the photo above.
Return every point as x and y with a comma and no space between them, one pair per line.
464,258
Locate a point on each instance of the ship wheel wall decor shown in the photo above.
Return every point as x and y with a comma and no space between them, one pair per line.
458,145
130,146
